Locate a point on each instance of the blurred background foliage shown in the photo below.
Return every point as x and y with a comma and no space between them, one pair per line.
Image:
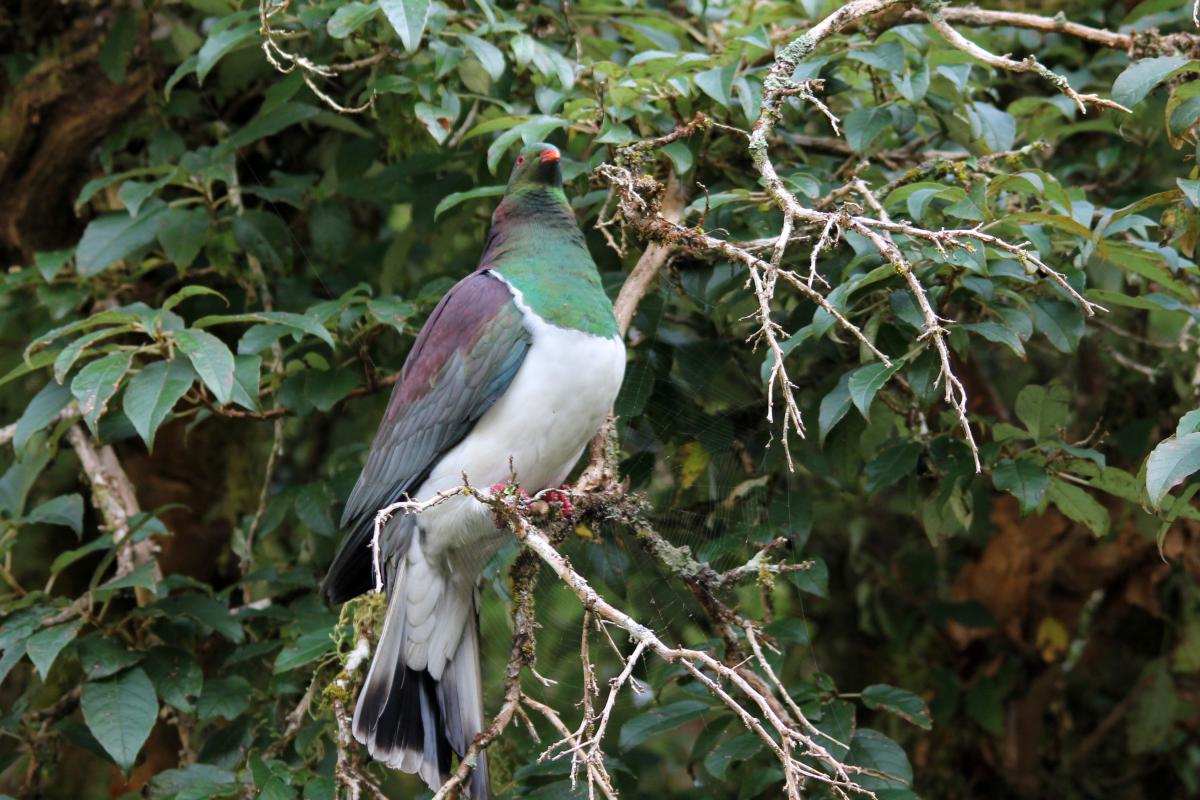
223,272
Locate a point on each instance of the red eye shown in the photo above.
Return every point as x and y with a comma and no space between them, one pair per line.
520,160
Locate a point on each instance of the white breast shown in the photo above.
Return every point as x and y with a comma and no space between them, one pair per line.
555,404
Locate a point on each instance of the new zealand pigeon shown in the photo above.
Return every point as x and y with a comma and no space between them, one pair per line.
519,363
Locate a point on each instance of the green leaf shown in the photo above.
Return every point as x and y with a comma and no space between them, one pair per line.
680,155
451,200
659,720
997,129
834,406
490,56
1191,190
118,45
737,748
439,119
1155,706
408,18
65,510
43,409
102,657
814,580
837,726
896,461
44,646
48,264
185,68
1043,409
153,392
222,42
901,702
224,697
211,358
140,577
182,234
1023,479
1188,423
1000,334
247,375
196,781
210,613
112,237
1140,77
312,506
717,82
71,353
192,290
269,123
865,382
888,764
1061,322
546,60
615,133
120,712
176,675
133,194
326,388
1172,462
309,647
299,322
64,560
887,56
984,705
863,126
1076,504
349,18
789,629
96,384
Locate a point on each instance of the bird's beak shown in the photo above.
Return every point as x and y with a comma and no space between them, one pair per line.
550,155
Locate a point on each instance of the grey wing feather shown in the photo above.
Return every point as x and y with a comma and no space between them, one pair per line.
465,357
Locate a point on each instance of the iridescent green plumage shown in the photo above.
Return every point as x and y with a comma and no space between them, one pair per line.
535,244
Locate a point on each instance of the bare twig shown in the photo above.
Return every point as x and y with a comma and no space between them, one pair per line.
1027,64
954,391
286,62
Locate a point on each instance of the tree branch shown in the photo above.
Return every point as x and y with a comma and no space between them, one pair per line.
114,497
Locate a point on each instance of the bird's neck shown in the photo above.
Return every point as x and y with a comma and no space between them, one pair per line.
535,244
532,223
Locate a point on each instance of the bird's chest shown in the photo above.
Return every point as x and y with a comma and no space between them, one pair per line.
537,428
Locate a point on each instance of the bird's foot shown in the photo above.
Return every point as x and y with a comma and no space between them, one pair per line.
511,495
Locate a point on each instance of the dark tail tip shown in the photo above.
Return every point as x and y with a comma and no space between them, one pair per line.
402,725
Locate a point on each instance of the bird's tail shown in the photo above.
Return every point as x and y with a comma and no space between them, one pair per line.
423,697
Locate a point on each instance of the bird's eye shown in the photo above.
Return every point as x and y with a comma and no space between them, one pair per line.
520,160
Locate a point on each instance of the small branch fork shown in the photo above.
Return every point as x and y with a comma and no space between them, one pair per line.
1028,64
636,204
286,62
776,721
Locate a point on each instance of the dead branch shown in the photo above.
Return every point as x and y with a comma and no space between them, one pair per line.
1028,64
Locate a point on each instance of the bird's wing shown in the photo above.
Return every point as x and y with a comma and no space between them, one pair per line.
463,360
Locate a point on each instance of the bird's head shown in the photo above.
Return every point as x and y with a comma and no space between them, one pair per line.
536,165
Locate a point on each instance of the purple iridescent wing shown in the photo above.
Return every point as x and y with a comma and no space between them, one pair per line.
463,360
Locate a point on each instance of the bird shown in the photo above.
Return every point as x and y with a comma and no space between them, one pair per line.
513,373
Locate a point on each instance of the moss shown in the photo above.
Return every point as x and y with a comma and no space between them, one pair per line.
677,559
797,50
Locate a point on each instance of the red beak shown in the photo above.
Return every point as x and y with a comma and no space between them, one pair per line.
549,154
